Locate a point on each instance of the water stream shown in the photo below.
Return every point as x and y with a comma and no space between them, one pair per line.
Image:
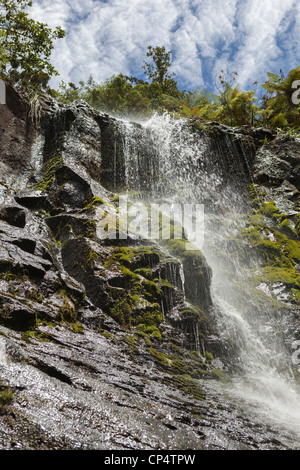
166,161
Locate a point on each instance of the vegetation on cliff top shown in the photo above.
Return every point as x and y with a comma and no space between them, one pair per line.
25,47
25,51
123,95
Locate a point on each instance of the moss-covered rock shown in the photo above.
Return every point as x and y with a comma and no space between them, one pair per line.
273,241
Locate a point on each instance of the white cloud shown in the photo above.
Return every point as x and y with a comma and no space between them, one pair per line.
257,47
206,28
106,38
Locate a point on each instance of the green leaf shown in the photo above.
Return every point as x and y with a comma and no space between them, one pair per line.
25,47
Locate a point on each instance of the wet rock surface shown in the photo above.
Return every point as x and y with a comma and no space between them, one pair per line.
89,391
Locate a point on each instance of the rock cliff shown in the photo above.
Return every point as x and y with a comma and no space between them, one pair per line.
112,342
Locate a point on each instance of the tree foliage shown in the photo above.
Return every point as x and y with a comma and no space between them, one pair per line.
199,103
124,95
25,47
118,95
235,107
279,109
231,106
157,71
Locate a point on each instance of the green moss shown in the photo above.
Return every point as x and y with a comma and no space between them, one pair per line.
133,277
269,208
115,200
292,250
96,201
181,374
49,171
253,190
273,246
253,234
104,333
36,295
256,219
35,333
297,225
6,396
123,258
146,328
183,249
295,296
156,334
186,384
140,302
139,257
248,290
286,228
162,359
209,356
273,274
285,224
269,235
120,255
256,202
131,342
145,272
151,291
121,311
164,283
90,228
147,314
132,309
145,336
93,256
67,310
77,328
220,375
191,311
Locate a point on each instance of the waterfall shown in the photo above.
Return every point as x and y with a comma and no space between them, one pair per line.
181,272
165,159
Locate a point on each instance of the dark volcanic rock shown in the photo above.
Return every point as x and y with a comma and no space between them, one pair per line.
17,135
13,215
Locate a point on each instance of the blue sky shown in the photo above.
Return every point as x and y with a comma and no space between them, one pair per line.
106,37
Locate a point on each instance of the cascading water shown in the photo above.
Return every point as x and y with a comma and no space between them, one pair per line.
167,160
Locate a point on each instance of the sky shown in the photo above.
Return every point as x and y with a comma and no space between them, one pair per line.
108,37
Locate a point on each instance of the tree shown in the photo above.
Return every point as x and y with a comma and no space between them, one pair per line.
117,95
280,110
123,95
158,71
25,47
199,103
67,93
235,107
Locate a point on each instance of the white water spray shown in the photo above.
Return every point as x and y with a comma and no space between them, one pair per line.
166,160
